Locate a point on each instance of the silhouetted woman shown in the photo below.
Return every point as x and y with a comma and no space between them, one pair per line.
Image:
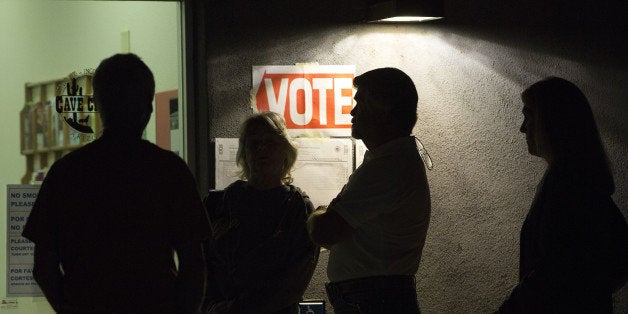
260,258
574,240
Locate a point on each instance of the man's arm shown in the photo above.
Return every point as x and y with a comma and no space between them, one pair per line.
326,227
191,277
48,276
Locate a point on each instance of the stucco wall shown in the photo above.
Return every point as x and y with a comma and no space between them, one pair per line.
469,77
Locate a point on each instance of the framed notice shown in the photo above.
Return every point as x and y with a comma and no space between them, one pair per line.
323,167
360,150
20,251
226,167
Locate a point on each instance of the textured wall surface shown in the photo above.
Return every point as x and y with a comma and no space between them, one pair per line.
469,77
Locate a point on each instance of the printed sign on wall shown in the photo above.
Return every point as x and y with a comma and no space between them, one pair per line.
77,109
20,251
314,99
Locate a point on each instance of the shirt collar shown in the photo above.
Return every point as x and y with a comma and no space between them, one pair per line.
388,148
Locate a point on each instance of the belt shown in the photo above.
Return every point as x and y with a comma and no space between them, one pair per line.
385,282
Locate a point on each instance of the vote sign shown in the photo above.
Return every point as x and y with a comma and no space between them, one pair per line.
311,98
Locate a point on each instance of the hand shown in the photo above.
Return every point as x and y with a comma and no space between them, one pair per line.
221,307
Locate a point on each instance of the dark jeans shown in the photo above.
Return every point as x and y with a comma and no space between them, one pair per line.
379,294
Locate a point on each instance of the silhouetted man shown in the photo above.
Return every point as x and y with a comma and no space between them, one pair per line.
110,215
376,227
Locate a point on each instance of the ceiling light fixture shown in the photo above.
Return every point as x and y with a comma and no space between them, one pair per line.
403,10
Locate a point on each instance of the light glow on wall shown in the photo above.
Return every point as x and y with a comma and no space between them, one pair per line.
406,19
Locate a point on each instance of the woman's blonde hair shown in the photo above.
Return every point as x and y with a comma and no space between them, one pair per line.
274,122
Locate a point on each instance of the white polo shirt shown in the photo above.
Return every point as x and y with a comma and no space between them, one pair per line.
387,202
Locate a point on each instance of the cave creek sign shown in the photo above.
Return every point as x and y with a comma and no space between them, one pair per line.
76,111
312,98
75,108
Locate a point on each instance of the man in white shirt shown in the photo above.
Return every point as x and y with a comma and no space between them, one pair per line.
375,228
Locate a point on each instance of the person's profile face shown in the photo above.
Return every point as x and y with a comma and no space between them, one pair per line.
533,129
265,151
367,115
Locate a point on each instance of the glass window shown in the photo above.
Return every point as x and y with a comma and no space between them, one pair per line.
43,43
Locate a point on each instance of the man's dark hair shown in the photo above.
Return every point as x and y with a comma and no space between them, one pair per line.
124,88
394,89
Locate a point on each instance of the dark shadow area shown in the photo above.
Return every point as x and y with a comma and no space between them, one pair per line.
579,30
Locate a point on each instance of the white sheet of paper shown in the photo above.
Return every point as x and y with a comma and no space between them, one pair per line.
20,251
322,168
226,167
360,149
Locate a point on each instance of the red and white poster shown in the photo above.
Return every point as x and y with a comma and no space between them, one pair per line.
315,100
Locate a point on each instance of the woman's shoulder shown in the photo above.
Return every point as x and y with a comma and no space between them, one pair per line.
302,196
238,184
568,181
214,198
297,191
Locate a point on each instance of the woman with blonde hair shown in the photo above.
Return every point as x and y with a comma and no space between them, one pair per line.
260,258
